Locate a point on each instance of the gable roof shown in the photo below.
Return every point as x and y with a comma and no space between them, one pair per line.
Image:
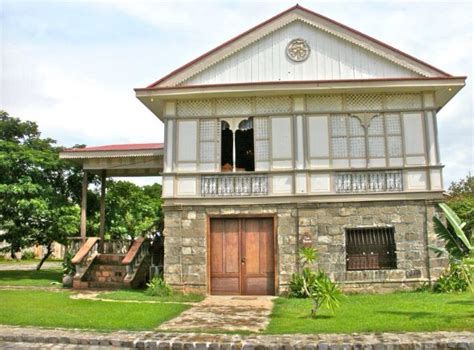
296,12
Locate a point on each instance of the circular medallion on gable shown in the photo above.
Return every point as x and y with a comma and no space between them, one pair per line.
297,50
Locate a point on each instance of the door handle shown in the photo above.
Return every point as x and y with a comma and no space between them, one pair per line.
242,260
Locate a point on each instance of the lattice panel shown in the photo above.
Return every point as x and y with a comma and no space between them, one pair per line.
208,135
234,106
376,146
364,102
194,108
393,124
394,144
261,128
338,126
262,142
403,101
376,126
324,103
262,151
208,130
208,150
355,127
339,147
279,104
357,147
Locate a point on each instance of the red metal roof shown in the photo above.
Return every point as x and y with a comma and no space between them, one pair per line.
122,147
153,85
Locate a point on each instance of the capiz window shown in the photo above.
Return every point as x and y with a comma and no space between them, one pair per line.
370,248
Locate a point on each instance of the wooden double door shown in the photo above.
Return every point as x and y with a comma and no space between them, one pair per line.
242,256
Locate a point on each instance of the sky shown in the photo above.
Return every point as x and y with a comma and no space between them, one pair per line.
71,66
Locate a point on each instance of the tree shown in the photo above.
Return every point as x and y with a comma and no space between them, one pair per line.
131,210
461,200
37,202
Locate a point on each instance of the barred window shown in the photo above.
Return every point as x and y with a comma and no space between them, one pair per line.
370,248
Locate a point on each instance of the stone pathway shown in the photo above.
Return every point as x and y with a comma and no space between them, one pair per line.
19,266
201,341
224,313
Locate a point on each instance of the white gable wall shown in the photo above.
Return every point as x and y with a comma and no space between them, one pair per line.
331,58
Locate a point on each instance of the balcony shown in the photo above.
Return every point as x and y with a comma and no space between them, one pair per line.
369,181
234,185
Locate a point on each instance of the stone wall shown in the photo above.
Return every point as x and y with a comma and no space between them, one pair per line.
322,226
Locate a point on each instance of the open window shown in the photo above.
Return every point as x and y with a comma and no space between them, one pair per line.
237,145
227,147
245,160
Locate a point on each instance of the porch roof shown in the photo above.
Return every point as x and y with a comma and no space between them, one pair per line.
139,159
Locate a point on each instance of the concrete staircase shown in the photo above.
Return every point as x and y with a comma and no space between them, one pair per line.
106,272
96,270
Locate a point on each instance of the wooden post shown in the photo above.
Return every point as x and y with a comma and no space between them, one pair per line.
102,210
234,160
84,206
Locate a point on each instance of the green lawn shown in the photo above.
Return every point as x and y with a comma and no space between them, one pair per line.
141,296
397,312
56,309
30,277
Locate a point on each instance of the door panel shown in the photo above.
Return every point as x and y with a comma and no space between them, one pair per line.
225,256
242,256
258,277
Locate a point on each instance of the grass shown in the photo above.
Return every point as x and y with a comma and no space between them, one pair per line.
141,296
56,309
398,312
30,277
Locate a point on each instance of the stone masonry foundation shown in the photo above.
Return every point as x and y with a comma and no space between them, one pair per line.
321,225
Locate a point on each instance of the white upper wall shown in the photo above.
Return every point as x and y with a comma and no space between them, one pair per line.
331,58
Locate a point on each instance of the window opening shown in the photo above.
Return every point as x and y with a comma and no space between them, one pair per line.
371,248
244,146
227,147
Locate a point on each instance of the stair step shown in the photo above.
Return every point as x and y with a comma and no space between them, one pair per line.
105,285
109,259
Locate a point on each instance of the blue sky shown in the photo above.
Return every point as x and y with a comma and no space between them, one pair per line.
71,66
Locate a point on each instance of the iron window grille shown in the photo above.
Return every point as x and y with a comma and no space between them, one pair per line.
370,248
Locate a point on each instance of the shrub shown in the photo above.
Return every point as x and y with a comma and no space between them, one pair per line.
456,278
68,267
316,285
27,255
157,287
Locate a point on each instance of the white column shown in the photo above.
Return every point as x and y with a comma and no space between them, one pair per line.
299,143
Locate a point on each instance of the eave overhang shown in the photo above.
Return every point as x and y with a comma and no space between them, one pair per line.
118,160
444,89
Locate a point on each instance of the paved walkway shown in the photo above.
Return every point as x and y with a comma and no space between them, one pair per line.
195,341
224,313
32,266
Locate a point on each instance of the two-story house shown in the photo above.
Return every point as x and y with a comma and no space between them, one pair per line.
300,132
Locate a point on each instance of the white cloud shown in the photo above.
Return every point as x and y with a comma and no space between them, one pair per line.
82,92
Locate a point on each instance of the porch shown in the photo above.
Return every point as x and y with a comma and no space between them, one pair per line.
100,263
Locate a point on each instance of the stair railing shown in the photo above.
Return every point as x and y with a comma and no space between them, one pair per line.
86,254
135,255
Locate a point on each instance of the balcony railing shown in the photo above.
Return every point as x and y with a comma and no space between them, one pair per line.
234,185
369,181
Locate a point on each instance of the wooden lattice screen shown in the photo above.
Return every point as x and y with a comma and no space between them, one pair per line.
370,248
